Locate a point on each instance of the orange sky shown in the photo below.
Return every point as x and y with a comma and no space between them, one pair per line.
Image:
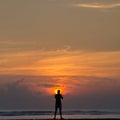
62,62
73,45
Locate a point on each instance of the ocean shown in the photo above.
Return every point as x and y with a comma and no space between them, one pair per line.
67,114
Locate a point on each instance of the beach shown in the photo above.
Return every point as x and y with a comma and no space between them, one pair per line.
66,117
69,119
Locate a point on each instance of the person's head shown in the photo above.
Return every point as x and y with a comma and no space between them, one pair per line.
58,91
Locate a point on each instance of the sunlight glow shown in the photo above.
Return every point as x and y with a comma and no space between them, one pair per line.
55,91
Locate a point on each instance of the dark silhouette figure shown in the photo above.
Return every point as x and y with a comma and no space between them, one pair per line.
58,104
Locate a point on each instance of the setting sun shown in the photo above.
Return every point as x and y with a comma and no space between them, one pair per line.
55,91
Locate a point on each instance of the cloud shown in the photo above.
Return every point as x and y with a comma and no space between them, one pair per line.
94,92
18,94
60,63
82,91
97,5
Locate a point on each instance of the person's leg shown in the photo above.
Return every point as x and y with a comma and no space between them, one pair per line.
60,110
55,112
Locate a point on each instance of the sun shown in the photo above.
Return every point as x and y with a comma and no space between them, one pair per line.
56,89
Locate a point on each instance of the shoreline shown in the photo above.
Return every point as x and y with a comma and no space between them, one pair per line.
69,119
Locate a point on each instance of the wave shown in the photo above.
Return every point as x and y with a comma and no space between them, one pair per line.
91,112
21,113
65,112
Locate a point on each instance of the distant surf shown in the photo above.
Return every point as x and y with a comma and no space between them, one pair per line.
65,112
87,113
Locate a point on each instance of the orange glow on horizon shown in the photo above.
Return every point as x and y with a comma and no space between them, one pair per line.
54,90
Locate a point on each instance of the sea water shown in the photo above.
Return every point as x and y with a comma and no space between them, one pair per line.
67,114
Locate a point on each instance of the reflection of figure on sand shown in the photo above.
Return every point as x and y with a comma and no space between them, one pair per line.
58,104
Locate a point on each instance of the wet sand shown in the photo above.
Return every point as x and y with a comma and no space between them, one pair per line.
73,119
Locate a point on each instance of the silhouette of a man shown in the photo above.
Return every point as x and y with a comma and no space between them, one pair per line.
58,104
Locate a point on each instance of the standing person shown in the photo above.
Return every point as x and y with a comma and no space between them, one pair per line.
58,104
